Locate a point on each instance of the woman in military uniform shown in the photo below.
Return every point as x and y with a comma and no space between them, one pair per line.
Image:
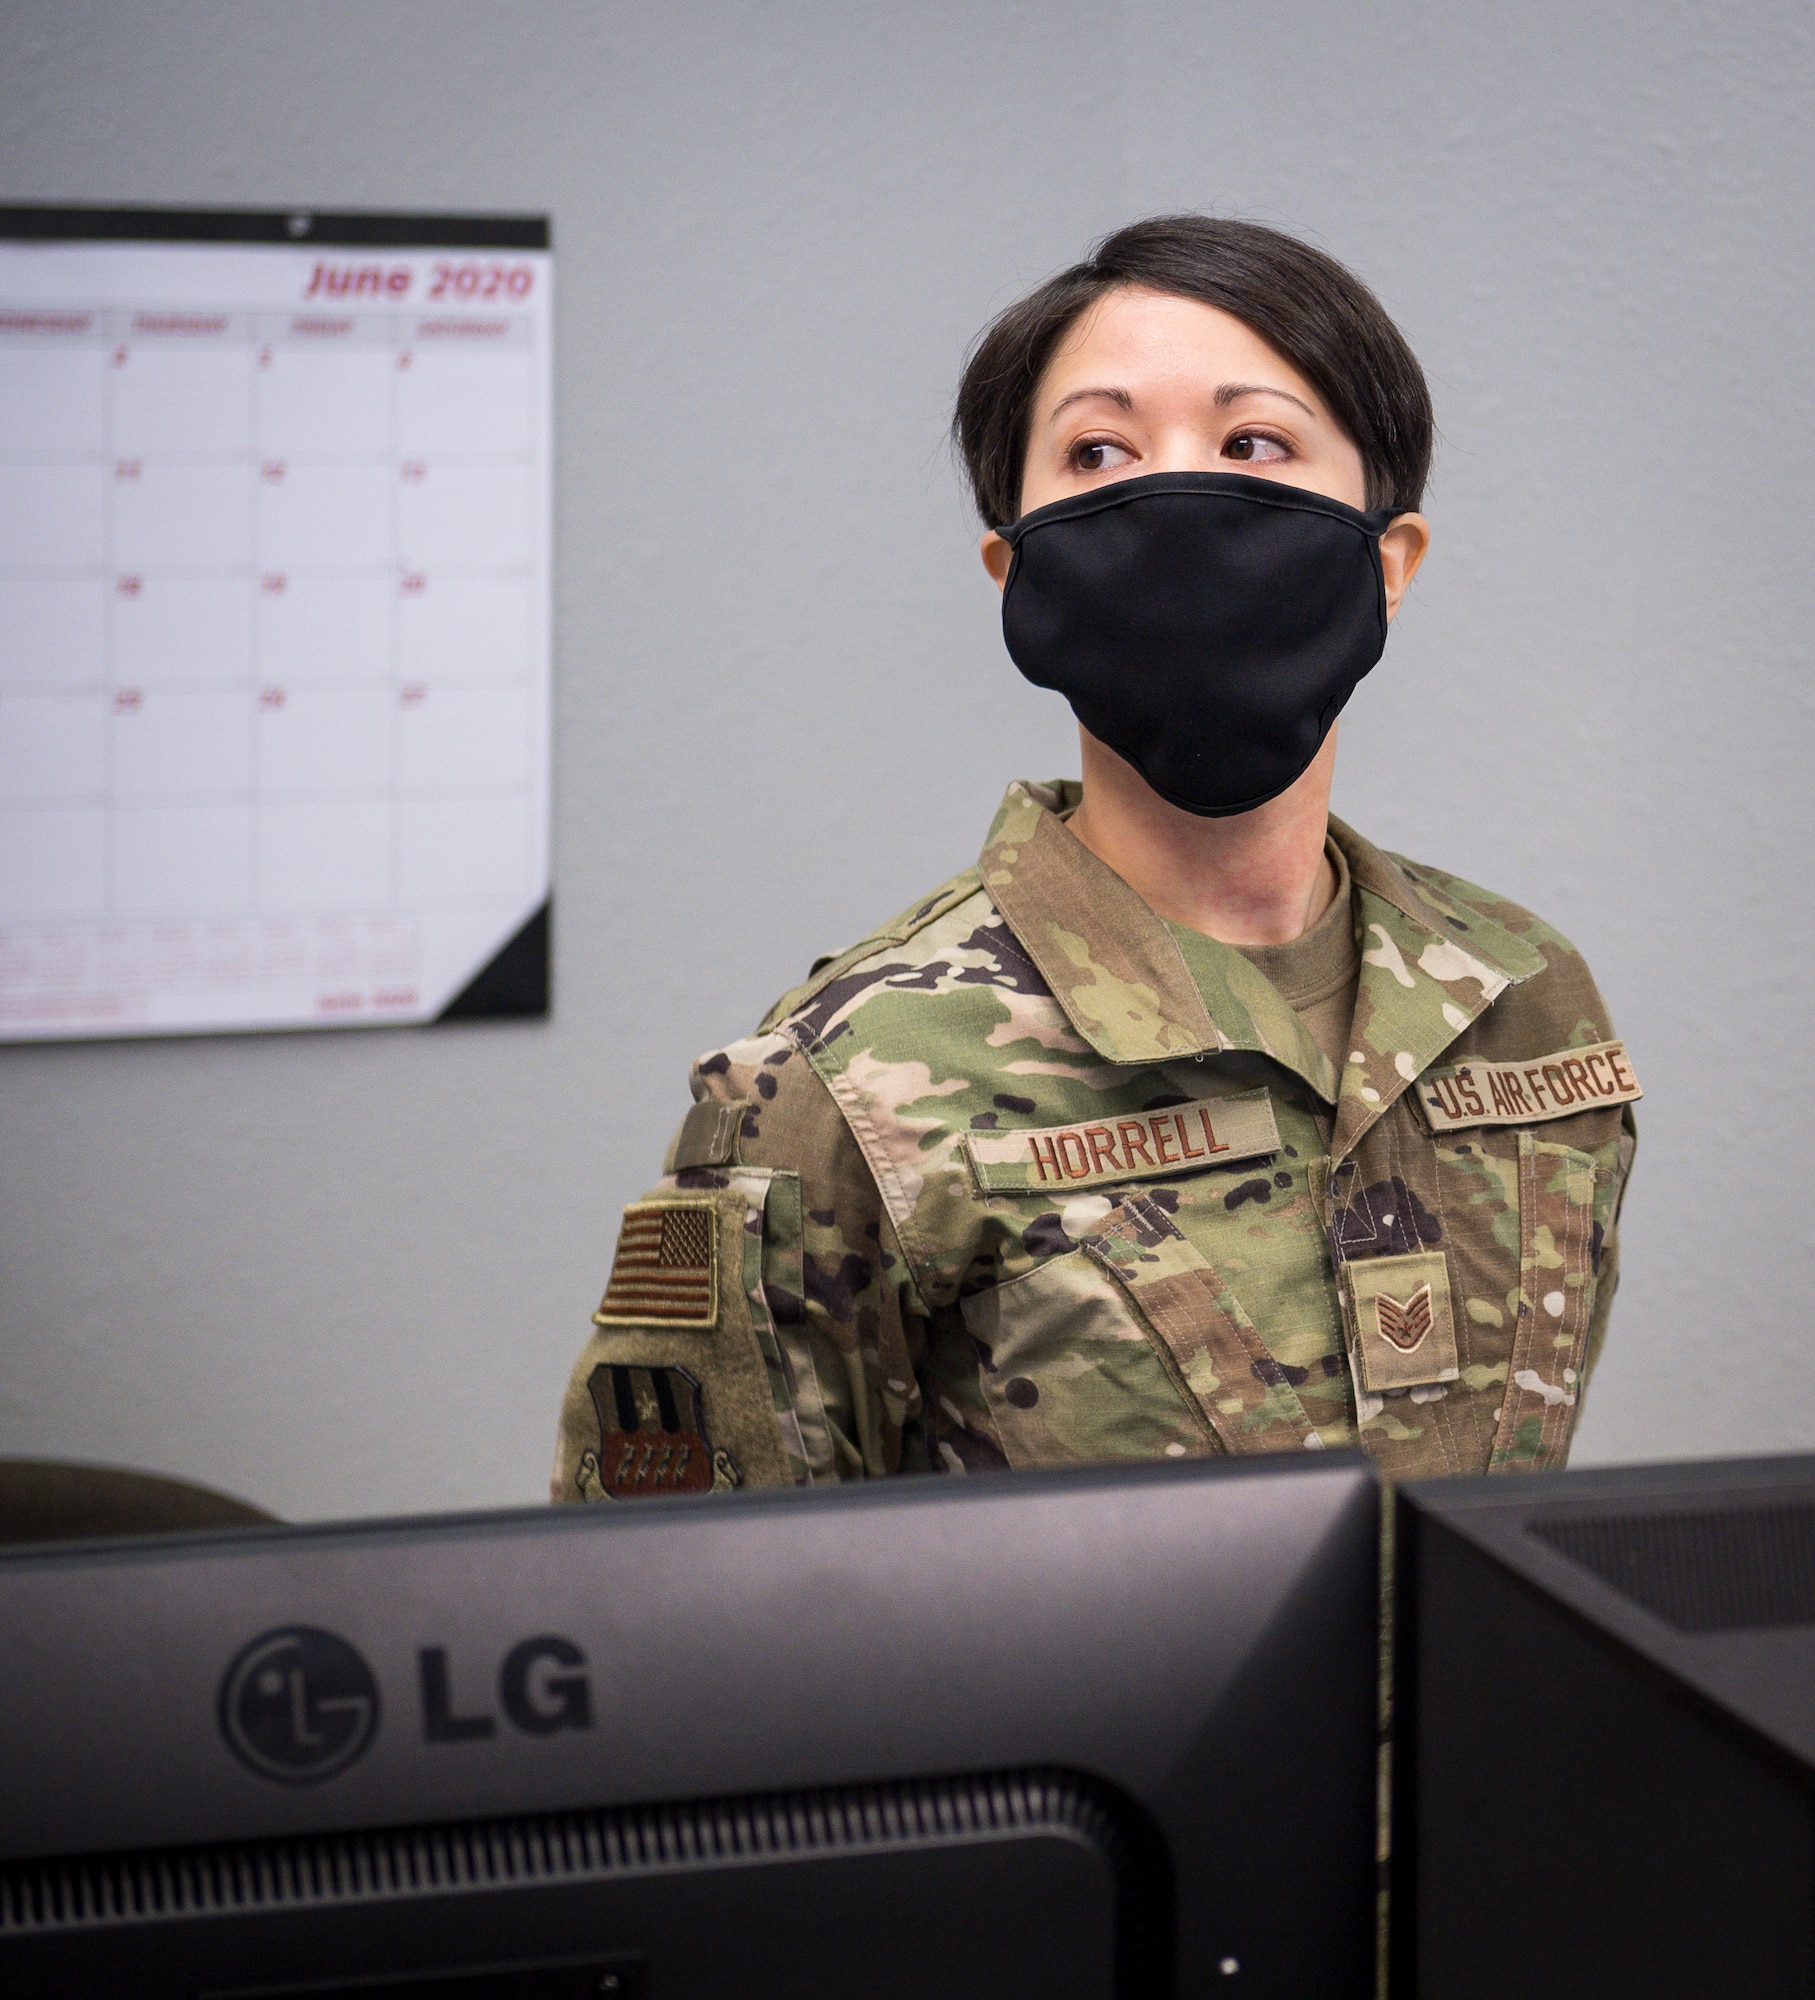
1187,1121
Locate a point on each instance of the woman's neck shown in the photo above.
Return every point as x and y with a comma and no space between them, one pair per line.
1259,877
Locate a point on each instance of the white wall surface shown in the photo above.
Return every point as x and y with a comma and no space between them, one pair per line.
342,1273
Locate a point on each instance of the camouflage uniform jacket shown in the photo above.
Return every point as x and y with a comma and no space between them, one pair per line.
1005,1182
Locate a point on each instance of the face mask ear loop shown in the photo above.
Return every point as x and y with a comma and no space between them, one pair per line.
1011,534
1386,516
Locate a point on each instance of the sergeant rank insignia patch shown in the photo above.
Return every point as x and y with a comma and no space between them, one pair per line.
666,1268
1404,1322
652,1437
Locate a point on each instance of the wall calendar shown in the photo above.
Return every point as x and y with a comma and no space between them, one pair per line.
274,619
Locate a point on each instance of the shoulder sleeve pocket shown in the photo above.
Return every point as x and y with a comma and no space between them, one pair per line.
672,1393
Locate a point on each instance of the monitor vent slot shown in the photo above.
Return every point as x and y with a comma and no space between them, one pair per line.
1725,1569
339,1869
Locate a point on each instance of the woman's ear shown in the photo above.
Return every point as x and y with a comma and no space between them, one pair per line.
997,555
1402,549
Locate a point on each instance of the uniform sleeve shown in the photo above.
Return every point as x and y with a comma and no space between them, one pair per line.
1607,1280
760,1325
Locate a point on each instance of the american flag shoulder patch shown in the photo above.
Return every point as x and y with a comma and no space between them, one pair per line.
665,1272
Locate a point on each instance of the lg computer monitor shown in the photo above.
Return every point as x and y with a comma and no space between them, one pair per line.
1604,1751
1104,1732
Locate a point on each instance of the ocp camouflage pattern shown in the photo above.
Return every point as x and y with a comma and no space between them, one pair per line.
892,1312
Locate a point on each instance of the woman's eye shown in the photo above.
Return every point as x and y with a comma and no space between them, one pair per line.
1099,455
1255,448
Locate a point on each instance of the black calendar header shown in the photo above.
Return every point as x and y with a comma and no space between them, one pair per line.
341,228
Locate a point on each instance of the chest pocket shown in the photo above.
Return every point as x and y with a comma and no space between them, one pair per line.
1130,1346
1070,1373
1508,1225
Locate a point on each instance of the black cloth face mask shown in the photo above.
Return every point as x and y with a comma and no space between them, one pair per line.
1207,626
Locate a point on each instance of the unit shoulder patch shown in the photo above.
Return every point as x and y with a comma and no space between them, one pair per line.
1525,1093
1147,1145
652,1437
665,1272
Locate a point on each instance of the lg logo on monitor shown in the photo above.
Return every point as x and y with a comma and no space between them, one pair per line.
299,1704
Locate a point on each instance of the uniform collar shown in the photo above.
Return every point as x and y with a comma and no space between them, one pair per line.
1429,966
1110,962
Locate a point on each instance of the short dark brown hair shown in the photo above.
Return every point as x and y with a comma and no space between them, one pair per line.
1321,317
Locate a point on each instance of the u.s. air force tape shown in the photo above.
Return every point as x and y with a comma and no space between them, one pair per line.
1140,1146
1522,1093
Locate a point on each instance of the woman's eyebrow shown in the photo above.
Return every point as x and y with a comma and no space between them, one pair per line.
1120,397
1229,392
1233,392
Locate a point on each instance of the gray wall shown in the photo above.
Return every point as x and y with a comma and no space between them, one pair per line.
347,1273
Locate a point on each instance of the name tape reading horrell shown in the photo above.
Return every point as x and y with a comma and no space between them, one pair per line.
1150,1145
1521,1093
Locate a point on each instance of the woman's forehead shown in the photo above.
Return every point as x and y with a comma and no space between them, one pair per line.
1132,337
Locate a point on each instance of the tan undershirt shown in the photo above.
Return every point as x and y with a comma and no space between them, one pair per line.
1319,972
